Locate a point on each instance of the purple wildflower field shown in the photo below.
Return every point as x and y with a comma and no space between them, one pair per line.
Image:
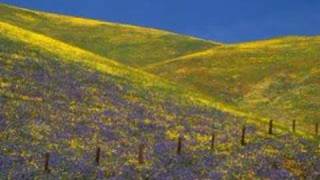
69,110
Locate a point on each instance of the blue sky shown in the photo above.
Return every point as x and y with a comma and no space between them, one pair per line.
223,20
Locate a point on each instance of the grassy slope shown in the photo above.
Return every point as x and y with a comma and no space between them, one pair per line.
76,55
130,45
59,98
63,27
277,78
16,15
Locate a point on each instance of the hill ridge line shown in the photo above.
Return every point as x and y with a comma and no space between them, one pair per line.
133,26
262,42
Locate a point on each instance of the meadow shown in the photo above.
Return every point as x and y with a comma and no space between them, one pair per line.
131,45
65,100
276,78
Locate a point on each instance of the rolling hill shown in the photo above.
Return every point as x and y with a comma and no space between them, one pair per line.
276,78
66,97
64,100
131,45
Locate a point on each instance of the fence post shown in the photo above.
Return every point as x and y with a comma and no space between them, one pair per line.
270,126
141,154
317,129
243,136
212,141
98,156
46,162
294,126
179,147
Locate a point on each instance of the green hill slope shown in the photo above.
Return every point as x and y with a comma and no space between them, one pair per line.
65,100
277,78
127,44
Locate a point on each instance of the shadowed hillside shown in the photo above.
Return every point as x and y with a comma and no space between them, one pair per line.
132,45
277,78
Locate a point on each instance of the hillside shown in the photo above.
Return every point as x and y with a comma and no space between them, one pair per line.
276,78
131,45
64,100
67,100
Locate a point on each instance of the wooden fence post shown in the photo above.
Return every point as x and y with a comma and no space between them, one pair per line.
179,147
141,154
270,126
98,156
243,136
212,141
46,162
294,126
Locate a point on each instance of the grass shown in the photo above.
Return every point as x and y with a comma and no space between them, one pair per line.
61,97
277,79
131,45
